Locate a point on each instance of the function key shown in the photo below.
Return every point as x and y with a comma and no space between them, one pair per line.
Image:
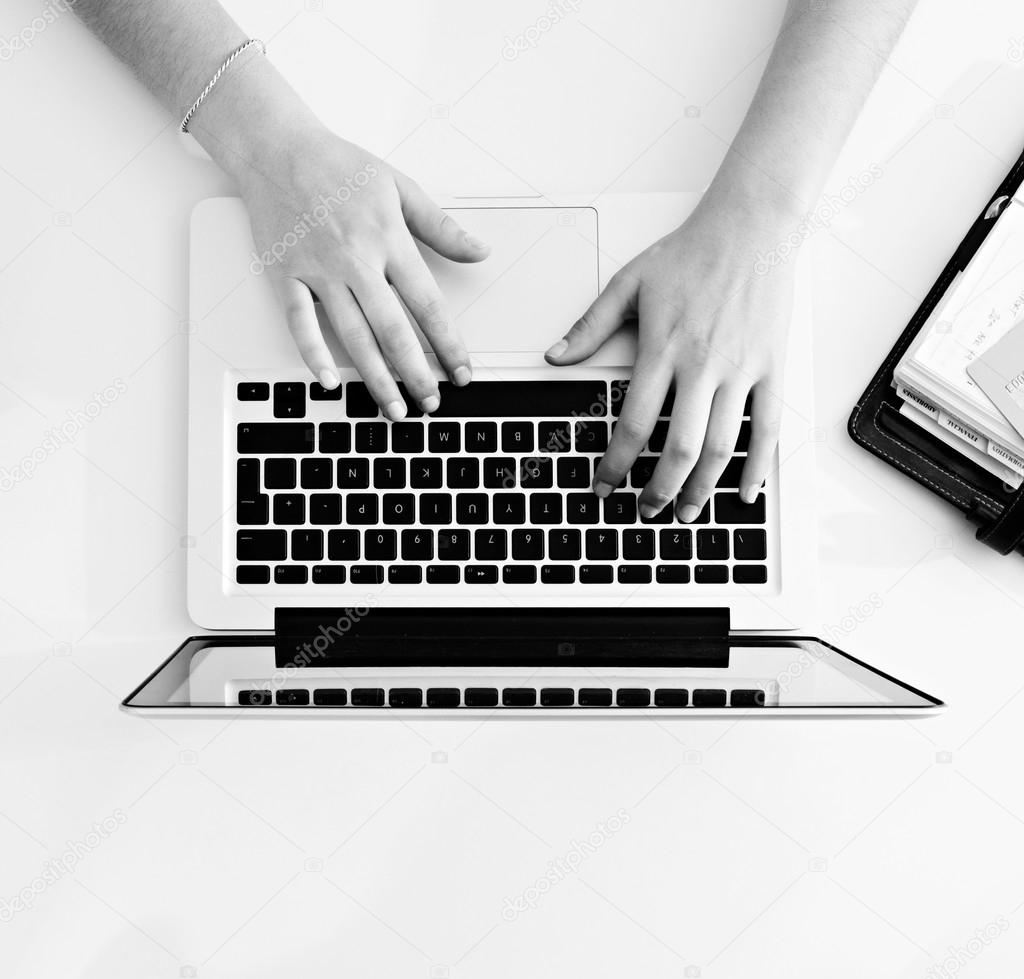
633,697
253,391
672,574
367,697
671,697
292,698
366,574
519,575
405,697
480,574
254,698
634,574
711,574
595,574
328,574
708,698
290,574
444,697
481,697
519,697
252,574
557,574
330,697
404,574
557,697
317,392
440,574
750,574
594,697
746,698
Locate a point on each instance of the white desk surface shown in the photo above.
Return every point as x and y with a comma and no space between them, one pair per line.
256,849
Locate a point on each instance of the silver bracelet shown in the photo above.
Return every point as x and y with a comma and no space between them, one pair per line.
213,81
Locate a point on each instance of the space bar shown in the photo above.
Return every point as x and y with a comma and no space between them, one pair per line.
522,399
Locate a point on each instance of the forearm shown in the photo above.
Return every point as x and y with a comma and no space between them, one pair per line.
175,47
822,68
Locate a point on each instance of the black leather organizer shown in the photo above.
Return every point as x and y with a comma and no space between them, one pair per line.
877,425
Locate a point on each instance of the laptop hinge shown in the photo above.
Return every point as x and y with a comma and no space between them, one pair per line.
364,636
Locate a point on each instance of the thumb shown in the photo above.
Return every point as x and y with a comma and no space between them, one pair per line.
597,324
435,228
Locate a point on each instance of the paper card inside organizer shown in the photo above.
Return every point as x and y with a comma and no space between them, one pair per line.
983,303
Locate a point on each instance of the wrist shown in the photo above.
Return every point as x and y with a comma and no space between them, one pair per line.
765,200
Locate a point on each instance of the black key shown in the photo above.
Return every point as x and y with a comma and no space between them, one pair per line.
676,545
573,472
667,404
546,508
711,574
317,392
729,508
519,697
360,403
656,443
389,473
380,545
405,697
634,574
343,545
704,516
471,508
672,574
328,574
620,508
330,697
509,508
642,470
289,399
481,697
733,471
594,697
444,697
669,697
665,515
407,437
247,477
500,472
253,512
275,438
557,574
746,698
399,508
480,574
435,508
367,696
564,545
444,437
292,698
307,545
481,437
749,545
366,574
517,437
407,574
371,437
440,574
617,395
253,391
713,545
463,473
317,473
335,438
519,575
527,545
638,545
595,574
361,508
425,474
750,574
252,574
591,436
490,545
743,442
353,474
453,545
289,508
290,574
633,697
554,437
557,697
582,508
708,698
536,472
279,473
254,698
417,545
520,399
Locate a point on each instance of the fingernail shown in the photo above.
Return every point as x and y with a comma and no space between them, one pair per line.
689,513
648,510
395,410
475,242
602,489
462,376
430,404
557,349
749,494
328,379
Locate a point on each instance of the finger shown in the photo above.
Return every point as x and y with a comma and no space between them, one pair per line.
719,443
358,340
300,315
644,397
598,323
765,417
396,338
414,283
435,228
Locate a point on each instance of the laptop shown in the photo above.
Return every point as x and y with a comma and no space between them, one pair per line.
459,564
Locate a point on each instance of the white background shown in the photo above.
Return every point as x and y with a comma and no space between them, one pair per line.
255,848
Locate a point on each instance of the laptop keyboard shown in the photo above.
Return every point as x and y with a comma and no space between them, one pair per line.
493,488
